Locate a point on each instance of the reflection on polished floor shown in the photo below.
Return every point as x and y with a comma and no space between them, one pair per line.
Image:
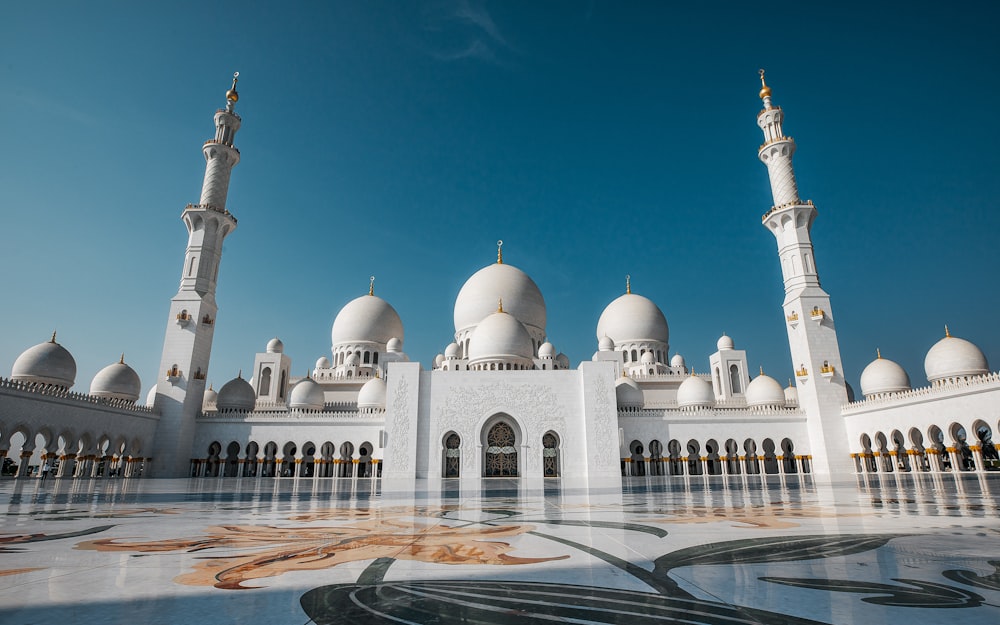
781,549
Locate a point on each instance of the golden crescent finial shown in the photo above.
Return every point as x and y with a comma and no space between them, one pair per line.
762,369
53,337
371,285
499,304
500,252
765,91
231,95
240,374
947,334
878,352
121,360
628,284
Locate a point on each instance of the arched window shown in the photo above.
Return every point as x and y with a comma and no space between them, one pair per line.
718,381
375,358
368,358
734,378
501,454
265,382
550,455
452,455
281,384
635,356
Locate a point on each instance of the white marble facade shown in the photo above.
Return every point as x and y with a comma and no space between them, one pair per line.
500,400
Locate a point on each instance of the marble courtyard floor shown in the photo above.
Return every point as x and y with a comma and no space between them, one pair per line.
720,550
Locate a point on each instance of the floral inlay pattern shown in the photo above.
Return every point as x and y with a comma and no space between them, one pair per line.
268,551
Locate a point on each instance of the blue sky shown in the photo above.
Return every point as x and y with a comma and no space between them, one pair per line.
403,139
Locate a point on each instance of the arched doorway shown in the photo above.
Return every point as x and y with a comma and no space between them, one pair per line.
452,455
550,455
501,451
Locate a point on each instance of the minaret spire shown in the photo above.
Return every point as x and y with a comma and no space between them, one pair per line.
371,285
187,344
813,343
500,252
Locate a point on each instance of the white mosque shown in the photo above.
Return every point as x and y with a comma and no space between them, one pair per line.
500,400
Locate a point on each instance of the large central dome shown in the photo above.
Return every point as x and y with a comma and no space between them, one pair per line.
479,296
633,318
368,318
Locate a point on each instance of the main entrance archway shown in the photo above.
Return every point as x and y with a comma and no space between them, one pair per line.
501,451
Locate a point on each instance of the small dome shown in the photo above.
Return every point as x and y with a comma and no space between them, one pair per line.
275,346
791,394
323,363
562,360
765,391
725,342
352,360
45,363
394,344
952,357
453,351
647,358
211,398
439,360
632,318
695,392
883,376
606,344
236,394
368,318
307,394
151,396
372,394
628,394
478,298
117,381
546,350
677,361
500,335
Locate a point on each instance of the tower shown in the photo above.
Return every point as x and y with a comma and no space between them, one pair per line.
812,333
187,344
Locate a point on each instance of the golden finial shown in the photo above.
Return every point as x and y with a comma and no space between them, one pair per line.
878,352
947,334
121,360
762,369
500,252
240,374
231,95
53,337
371,285
376,373
628,284
499,304
765,91
210,387
789,382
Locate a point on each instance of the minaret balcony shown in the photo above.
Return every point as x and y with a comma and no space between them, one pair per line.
174,375
802,374
206,320
817,314
827,370
199,374
183,318
793,319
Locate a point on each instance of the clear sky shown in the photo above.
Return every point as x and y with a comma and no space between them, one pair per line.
402,139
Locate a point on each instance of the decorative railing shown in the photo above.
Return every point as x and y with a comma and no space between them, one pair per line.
212,207
50,390
293,414
939,389
710,411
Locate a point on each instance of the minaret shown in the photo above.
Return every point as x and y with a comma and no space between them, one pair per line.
812,333
187,344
